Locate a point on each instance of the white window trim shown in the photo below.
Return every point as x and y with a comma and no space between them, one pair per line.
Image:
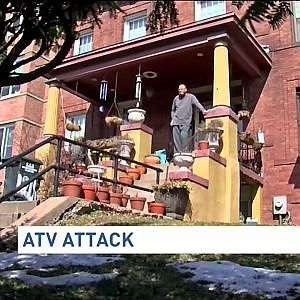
5,138
199,16
128,19
296,12
10,94
77,41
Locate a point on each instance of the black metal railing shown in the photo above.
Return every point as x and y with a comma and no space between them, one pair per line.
250,158
57,166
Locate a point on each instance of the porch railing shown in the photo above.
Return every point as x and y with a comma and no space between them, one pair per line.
250,158
57,166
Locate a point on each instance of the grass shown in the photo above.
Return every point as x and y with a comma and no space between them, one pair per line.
140,276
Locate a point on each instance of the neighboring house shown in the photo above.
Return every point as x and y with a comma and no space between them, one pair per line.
182,55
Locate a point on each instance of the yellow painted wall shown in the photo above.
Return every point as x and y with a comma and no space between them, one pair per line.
256,204
143,143
212,209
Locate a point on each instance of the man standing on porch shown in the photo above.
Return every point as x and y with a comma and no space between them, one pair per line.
181,119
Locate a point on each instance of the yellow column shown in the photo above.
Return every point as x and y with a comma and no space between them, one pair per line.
52,109
256,204
221,93
47,153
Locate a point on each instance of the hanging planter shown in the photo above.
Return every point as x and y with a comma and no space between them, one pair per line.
73,127
113,121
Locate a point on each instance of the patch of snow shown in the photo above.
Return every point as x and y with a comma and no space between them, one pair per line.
79,278
238,279
35,261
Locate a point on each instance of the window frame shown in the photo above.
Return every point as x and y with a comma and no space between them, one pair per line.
133,17
10,91
296,34
211,14
82,34
4,145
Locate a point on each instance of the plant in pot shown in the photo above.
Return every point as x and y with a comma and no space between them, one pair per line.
175,195
157,208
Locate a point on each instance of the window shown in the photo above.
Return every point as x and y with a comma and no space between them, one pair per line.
9,90
296,11
78,119
6,140
209,9
135,26
84,43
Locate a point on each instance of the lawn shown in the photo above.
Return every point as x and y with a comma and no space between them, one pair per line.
139,276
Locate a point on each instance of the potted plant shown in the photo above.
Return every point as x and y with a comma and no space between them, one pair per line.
174,194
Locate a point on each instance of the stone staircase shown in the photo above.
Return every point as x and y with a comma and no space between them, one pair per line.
149,179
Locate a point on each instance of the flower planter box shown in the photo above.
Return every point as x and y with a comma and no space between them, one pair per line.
175,200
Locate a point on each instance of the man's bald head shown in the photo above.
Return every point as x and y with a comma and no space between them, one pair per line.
182,90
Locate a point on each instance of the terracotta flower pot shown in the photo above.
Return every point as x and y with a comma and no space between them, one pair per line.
80,168
141,169
72,188
126,179
102,193
102,201
137,203
152,159
133,173
116,199
125,199
149,203
89,192
202,145
157,208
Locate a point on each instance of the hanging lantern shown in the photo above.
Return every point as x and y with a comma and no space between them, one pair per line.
103,94
138,87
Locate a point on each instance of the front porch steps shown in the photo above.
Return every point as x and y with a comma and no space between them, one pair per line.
148,180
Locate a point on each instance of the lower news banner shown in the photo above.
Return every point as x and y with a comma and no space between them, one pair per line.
157,239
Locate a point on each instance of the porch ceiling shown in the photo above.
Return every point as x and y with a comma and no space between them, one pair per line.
180,55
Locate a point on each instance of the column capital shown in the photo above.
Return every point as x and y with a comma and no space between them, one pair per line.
53,82
221,43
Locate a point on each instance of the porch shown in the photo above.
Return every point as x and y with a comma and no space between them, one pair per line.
222,64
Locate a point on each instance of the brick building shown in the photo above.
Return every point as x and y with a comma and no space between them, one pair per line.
182,54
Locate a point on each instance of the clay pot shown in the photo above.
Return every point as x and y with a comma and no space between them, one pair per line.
149,203
125,199
116,199
157,208
126,179
72,188
102,193
80,168
102,201
119,188
89,192
202,145
141,169
137,203
152,159
133,173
